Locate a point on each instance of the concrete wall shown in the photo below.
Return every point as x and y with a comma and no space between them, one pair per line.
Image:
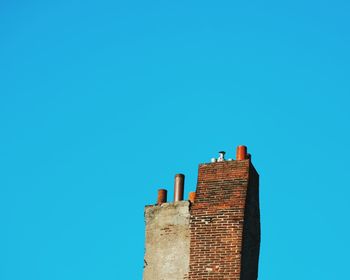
167,241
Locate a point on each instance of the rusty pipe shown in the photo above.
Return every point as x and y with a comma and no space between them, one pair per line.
241,153
162,196
179,186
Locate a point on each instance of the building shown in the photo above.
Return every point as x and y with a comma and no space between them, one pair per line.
215,234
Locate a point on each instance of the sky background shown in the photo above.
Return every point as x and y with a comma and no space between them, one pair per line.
103,102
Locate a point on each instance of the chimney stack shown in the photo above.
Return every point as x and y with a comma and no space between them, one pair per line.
214,233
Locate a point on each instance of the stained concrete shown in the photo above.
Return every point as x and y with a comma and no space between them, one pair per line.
167,241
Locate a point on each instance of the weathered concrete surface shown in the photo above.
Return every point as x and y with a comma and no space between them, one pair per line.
167,241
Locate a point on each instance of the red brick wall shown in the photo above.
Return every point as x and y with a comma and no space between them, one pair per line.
224,223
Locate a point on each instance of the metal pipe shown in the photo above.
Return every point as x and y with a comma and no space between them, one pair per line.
162,196
179,187
241,153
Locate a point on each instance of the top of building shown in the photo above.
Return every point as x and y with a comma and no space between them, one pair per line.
241,154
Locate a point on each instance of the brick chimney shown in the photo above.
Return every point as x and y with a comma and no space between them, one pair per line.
215,235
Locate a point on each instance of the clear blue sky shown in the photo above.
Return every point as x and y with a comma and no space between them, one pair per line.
102,102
